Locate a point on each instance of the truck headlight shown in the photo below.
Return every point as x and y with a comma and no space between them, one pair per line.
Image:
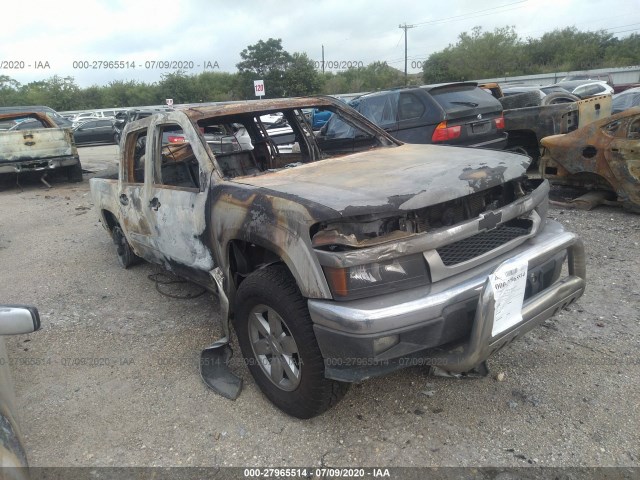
377,278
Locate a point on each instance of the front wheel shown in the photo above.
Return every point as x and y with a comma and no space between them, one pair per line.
276,337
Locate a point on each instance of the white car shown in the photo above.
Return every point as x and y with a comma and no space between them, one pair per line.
14,320
586,88
97,115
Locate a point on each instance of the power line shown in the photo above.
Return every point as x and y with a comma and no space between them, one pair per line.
461,17
576,24
470,15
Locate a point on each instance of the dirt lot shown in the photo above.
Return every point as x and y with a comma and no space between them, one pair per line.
112,377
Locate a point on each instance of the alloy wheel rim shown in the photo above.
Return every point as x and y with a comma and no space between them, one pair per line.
274,348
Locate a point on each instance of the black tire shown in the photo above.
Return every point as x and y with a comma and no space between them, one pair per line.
270,297
559,97
125,254
520,100
74,173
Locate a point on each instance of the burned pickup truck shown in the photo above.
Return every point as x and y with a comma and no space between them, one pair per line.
33,143
527,126
337,260
602,157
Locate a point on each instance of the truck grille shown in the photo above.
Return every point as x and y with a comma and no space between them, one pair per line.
472,247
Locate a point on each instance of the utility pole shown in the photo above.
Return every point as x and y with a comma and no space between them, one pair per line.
322,58
405,27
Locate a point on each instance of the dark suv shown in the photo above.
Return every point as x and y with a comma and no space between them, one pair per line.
453,114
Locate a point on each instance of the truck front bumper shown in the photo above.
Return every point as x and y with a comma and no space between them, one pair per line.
448,323
37,165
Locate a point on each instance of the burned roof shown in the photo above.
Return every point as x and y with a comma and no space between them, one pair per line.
253,106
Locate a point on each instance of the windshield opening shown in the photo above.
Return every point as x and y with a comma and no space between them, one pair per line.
256,143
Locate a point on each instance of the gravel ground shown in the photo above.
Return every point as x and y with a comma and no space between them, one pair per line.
564,395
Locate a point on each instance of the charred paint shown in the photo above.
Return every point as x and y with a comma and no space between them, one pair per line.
602,155
528,125
275,210
422,175
48,143
483,178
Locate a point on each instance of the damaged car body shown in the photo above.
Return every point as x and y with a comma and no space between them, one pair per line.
35,144
527,126
604,156
338,259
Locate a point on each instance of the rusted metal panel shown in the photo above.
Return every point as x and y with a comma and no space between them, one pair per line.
603,155
527,126
593,109
543,120
422,175
254,106
49,142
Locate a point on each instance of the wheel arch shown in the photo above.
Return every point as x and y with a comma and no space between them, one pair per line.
109,219
526,139
244,257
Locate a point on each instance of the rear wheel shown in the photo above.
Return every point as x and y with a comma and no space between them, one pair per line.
276,336
126,257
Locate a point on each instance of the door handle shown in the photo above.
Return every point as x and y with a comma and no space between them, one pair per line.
124,200
154,204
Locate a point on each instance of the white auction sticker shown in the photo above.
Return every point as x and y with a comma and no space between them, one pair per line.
509,282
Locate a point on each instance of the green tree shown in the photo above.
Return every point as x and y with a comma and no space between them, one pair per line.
569,49
9,91
266,61
215,86
624,52
178,86
436,68
477,55
301,77
91,97
375,76
59,93
120,93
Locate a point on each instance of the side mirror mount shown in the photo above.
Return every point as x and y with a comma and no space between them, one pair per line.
18,319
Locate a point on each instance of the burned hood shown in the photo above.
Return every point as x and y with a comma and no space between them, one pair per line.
406,177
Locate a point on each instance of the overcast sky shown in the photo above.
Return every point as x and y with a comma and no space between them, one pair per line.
211,34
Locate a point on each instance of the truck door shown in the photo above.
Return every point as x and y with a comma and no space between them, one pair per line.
131,195
175,206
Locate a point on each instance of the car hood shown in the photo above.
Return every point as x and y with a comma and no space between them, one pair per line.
405,177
